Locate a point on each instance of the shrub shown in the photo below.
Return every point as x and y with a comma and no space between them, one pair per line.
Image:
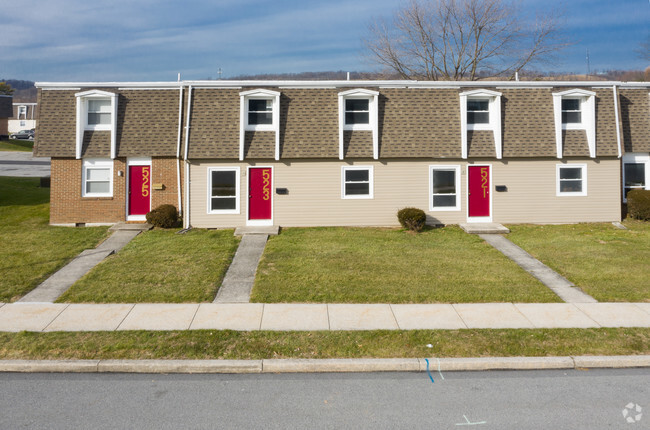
638,204
412,218
164,216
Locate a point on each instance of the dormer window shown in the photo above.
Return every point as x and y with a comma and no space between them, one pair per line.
575,110
259,111
96,111
22,112
478,111
357,111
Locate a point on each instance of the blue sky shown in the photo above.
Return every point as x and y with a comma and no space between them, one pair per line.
153,40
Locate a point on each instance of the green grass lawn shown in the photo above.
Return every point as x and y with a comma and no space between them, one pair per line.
216,344
609,264
17,145
160,266
30,249
371,265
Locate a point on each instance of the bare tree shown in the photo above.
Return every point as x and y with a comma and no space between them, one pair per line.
643,51
458,39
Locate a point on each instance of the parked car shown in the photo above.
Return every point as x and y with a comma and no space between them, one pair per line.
23,134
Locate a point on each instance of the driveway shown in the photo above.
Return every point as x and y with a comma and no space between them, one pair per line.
23,164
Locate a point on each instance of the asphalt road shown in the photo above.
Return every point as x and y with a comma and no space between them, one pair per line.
567,399
23,164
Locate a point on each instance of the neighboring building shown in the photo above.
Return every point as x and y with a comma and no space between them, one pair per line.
324,153
24,117
5,114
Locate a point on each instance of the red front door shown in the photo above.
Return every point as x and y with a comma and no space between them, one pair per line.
479,191
139,190
259,193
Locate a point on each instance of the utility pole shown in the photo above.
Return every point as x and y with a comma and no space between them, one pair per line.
219,73
588,66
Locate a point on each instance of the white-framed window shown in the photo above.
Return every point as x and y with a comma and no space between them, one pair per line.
478,111
23,123
636,172
571,111
444,186
98,113
356,182
97,178
571,179
259,113
223,190
357,113
22,112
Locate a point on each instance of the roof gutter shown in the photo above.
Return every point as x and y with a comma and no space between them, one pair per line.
618,122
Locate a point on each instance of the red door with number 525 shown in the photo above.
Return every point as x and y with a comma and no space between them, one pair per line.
139,190
259,193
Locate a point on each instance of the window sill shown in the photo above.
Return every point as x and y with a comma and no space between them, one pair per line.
97,197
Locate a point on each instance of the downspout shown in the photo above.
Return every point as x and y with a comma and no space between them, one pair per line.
178,149
618,122
186,218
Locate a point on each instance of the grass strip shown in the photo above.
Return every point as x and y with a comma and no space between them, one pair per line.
609,264
30,249
17,145
226,344
375,265
159,266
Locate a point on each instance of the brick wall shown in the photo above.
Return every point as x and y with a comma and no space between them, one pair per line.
68,207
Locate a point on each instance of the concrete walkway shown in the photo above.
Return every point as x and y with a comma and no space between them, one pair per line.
561,286
291,317
239,279
57,284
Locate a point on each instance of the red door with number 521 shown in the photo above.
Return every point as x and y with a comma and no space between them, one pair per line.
259,193
479,191
139,190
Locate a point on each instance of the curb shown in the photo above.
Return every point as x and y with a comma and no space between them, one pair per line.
323,365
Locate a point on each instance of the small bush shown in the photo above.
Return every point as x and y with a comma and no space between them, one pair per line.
164,216
412,218
638,204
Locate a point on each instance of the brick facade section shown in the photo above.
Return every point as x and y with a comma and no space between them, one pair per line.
68,207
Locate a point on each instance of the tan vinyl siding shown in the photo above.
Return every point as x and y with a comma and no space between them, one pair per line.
314,197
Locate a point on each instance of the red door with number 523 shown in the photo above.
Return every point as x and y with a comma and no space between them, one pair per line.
259,193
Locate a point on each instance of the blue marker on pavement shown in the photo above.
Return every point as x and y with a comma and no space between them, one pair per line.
429,373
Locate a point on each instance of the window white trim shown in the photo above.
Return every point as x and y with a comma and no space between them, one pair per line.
636,158
22,112
209,209
456,170
92,164
494,109
371,187
588,118
244,126
82,118
373,122
583,179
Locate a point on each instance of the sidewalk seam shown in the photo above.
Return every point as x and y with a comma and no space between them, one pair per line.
575,305
194,316
125,316
390,306
54,319
453,305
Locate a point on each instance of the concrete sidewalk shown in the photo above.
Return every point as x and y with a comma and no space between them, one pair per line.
291,317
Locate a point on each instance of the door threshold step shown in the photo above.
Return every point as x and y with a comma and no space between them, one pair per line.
484,228
268,230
